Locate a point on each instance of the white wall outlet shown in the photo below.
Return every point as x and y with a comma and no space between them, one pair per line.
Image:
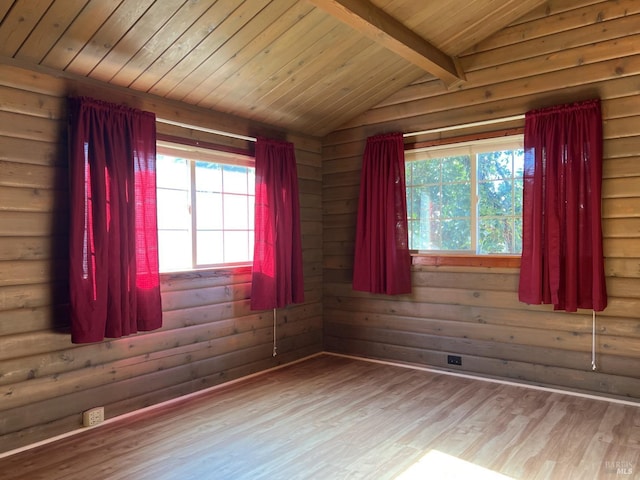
93,416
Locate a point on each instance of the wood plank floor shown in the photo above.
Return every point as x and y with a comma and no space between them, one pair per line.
330,417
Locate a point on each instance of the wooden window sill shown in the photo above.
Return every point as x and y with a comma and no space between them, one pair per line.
495,261
211,272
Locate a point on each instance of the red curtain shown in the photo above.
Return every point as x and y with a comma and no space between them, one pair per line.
562,259
277,259
382,262
114,280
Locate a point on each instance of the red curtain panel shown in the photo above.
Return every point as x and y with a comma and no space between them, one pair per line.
114,279
382,262
562,258
277,277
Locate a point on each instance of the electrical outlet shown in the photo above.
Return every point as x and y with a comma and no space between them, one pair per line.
454,360
93,417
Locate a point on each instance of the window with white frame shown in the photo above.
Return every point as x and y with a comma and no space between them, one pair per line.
466,197
205,208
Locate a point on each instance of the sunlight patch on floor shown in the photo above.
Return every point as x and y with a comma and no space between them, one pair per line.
438,465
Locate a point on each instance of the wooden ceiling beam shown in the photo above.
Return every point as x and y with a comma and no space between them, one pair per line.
381,27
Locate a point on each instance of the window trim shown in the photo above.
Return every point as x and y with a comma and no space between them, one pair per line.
464,138
464,258
204,152
201,146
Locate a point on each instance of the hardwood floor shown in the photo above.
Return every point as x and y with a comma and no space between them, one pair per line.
330,417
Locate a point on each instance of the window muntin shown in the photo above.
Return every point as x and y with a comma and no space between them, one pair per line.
466,198
205,210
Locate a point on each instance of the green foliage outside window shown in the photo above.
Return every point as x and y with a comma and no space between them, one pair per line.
500,201
442,210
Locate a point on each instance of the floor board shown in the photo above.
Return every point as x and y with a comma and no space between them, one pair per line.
331,417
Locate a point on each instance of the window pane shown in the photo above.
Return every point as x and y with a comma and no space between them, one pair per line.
439,204
235,179
495,198
445,235
424,234
497,235
209,251
495,165
236,212
417,239
174,250
518,162
173,209
429,171
209,211
423,207
517,235
500,202
456,169
252,208
236,246
410,201
456,200
518,185
425,201
455,234
171,172
251,181
208,177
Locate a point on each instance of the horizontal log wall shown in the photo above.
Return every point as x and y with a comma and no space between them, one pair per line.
209,334
565,52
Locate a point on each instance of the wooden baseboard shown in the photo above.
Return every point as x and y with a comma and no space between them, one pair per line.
534,386
154,407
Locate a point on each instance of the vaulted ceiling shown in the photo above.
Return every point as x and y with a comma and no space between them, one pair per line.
302,65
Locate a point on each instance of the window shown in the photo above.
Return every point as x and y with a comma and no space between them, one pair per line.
205,208
466,197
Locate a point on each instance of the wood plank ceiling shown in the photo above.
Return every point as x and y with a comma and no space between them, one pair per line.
306,66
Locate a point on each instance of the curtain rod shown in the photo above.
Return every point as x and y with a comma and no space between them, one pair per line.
465,125
205,129
405,135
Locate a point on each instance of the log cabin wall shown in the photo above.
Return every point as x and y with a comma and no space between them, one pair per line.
566,52
209,335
